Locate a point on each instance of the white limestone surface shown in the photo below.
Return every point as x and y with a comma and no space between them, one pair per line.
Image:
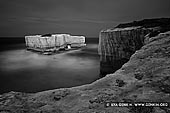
54,41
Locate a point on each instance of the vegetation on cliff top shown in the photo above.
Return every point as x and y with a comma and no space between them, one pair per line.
157,25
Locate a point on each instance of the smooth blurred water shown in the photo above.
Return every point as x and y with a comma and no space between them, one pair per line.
26,71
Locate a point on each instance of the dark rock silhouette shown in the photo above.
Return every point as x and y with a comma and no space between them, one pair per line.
147,23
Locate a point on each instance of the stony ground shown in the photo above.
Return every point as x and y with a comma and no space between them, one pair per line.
144,78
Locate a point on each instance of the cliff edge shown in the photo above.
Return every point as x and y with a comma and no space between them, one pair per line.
144,78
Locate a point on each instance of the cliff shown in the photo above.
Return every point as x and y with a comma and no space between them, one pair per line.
118,44
144,78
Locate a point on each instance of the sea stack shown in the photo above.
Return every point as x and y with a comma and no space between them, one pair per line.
53,42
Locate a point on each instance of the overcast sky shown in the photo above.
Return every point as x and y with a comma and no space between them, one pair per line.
77,17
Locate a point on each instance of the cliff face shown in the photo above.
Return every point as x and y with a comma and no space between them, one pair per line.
121,42
144,78
117,45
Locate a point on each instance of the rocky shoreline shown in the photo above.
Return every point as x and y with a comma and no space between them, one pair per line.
144,78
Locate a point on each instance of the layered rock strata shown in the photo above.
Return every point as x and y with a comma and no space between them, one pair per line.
53,42
117,45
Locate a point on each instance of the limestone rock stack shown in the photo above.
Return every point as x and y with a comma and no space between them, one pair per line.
53,42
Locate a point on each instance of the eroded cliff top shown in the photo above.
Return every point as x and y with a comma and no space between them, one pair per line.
154,26
122,29
144,78
147,23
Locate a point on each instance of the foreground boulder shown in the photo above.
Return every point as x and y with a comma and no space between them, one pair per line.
144,78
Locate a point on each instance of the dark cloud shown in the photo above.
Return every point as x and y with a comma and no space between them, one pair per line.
86,17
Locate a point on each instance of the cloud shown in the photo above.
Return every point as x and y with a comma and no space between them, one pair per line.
57,21
78,16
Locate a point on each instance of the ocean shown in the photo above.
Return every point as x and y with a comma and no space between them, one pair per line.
27,71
